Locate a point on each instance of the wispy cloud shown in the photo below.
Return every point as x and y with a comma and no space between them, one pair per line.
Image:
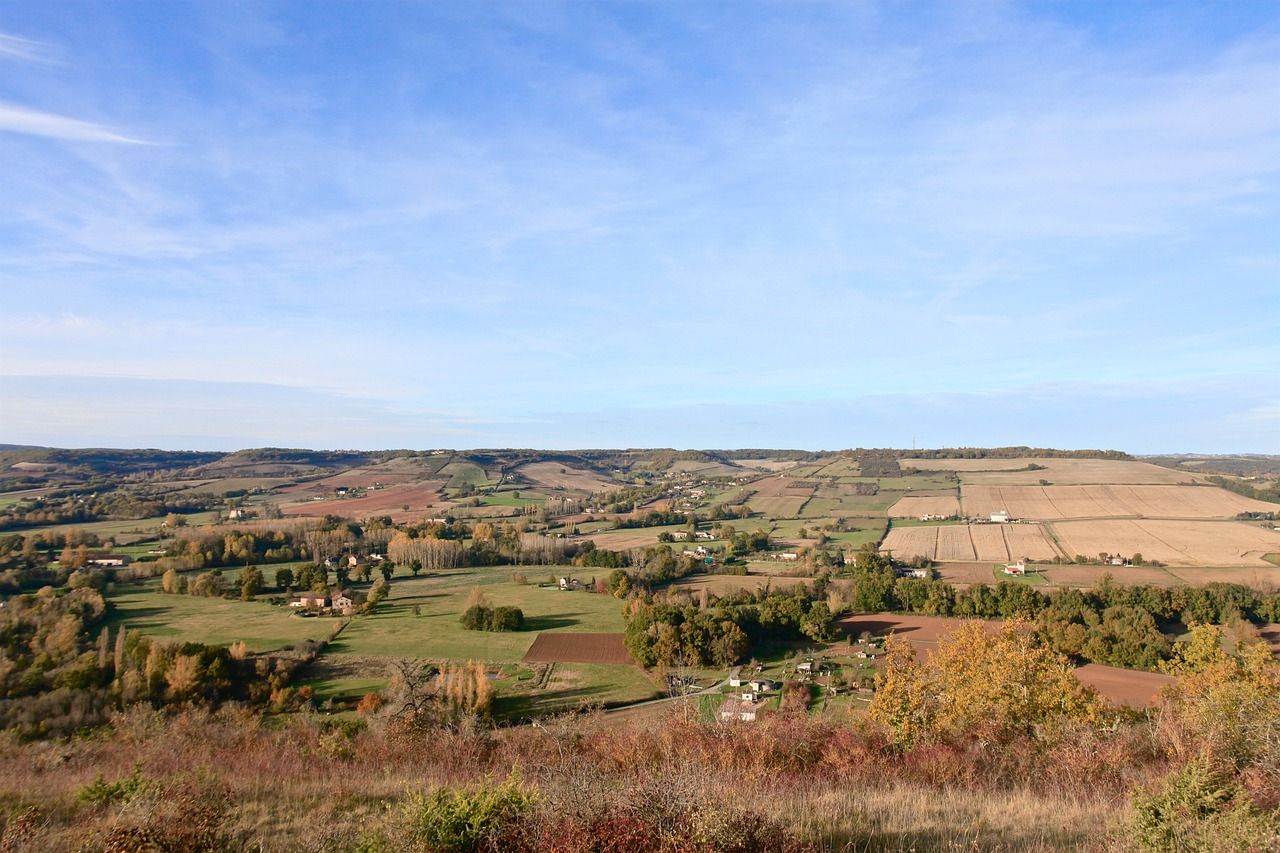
16,119
25,50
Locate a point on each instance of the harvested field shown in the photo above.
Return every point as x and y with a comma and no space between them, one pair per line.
913,626
1028,541
912,506
556,647
954,543
1108,501
1061,472
780,486
908,542
416,496
1133,688
777,507
1129,687
1178,543
971,542
966,573
628,537
989,542
1264,577
557,476
766,464
1087,576
726,584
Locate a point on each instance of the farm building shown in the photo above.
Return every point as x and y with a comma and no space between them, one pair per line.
738,709
762,685
735,677
1000,517
310,599
1018,568
567,583
108,561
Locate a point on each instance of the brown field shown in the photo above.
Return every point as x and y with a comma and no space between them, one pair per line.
1259,577
780,486
1028,541
1133,688
965,542
989,542
765,464
1061,472
1086,576
777,507
727,584
557,647
954,543
908,542
1178,543
1130,687
557,476
417,496
634,537
1108,501
229,484
912,506
966,573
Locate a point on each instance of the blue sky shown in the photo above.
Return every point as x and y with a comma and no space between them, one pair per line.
631,224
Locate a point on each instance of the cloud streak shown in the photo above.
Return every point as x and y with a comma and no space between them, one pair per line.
29,122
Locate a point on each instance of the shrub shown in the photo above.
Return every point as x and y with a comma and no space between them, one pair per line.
100,792
481,618
456,821
1198,809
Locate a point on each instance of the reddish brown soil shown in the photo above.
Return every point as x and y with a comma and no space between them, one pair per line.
1129,687
567,647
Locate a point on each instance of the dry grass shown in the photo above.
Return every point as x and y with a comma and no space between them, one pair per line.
297,786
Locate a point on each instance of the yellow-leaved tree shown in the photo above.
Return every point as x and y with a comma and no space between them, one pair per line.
978,683
1225,704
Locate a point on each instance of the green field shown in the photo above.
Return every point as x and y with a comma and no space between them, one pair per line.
394,631
216,621
570,685
508,498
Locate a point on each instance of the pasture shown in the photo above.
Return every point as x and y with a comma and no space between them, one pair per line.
216,621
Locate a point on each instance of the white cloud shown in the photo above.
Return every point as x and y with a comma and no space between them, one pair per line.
16,119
